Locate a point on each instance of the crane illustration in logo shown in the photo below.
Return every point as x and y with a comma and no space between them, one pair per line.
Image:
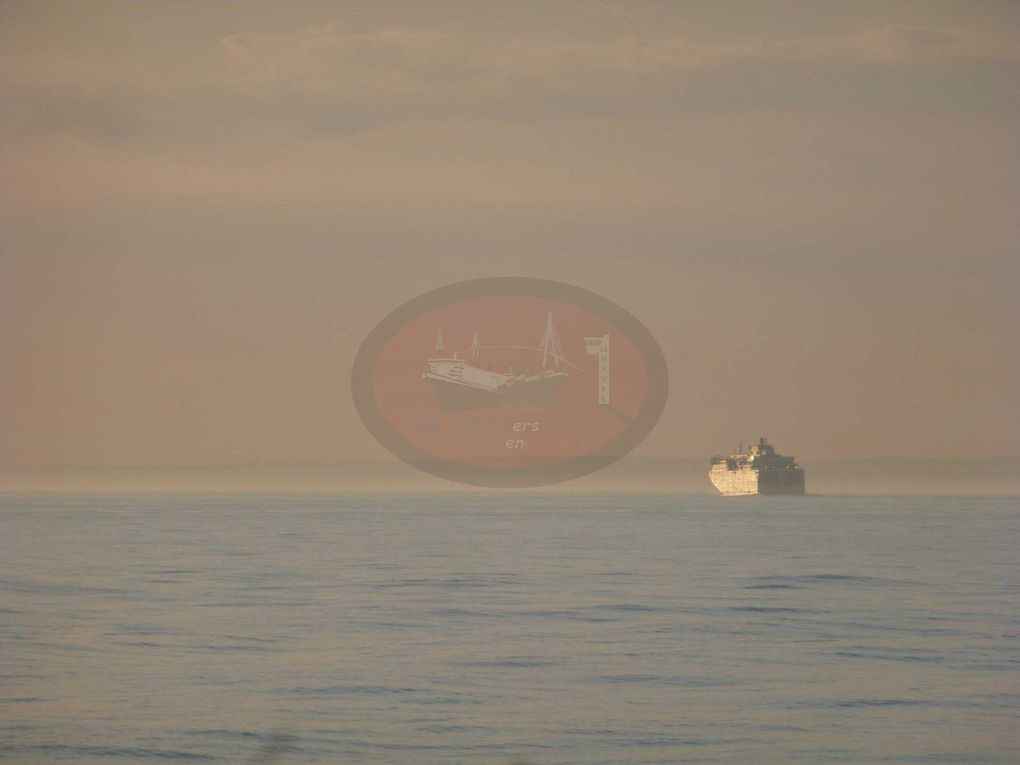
460,385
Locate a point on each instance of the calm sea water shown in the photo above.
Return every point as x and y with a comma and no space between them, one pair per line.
550,629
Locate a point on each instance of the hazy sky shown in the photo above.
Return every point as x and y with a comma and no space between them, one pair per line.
206,206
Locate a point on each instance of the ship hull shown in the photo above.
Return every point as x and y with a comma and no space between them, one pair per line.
748,480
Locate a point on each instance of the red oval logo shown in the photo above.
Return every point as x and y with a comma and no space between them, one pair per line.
509,381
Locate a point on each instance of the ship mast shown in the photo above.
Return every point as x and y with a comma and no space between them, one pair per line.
475,345
439,339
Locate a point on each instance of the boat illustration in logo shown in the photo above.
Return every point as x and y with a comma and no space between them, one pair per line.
460,385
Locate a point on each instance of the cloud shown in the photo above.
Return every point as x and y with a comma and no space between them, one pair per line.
906,43
322,55
324,80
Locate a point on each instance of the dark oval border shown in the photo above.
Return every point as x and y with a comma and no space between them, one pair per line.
657,381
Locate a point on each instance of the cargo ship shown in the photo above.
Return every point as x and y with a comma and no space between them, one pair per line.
758,471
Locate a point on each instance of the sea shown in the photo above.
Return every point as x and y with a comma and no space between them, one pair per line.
596,628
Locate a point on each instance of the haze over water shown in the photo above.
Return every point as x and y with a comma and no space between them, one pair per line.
205,208
479,628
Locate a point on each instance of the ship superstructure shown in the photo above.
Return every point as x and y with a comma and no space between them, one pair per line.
761,470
